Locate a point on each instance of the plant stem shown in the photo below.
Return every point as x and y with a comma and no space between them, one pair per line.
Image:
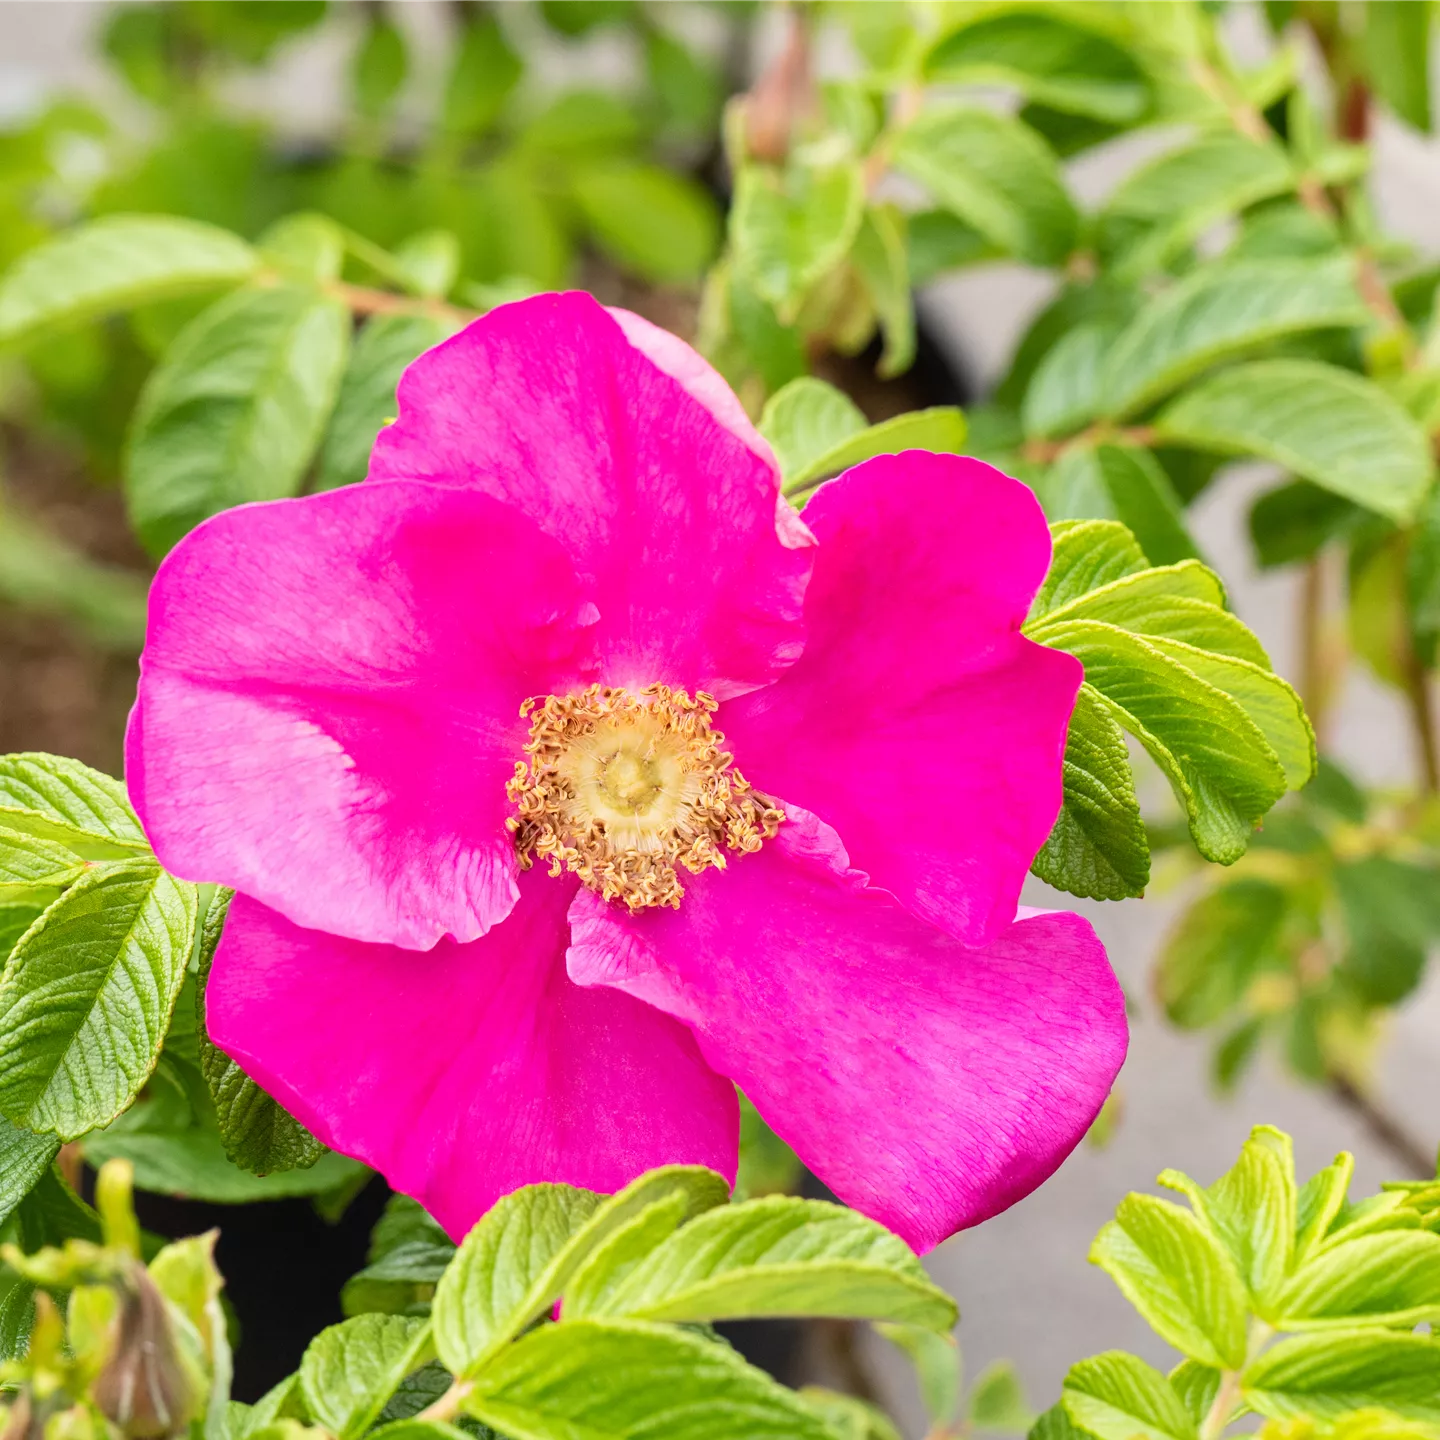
1383,1128
1218,1416
1314,671
364,301
447,1407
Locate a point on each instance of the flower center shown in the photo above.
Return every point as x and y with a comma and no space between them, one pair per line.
623,789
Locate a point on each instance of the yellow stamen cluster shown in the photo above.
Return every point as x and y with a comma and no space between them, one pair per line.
623,789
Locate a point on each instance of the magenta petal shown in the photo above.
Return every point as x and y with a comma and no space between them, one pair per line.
651,483
929,1085
919,722
329,704
465,1071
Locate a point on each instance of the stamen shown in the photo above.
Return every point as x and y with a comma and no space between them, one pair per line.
623,789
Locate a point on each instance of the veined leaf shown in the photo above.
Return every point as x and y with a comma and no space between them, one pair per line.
1115,1396
1321,1199
1221,311
235,410
997,175
1165,205
28,862
848,1417
114,263
777,1256
644,1382
1063,67
520,1256
61,800
24,1158
1327,1376
1064,393
882,258
258,1133
1337,429
87,994
1389,1278
350,1370
1177,1275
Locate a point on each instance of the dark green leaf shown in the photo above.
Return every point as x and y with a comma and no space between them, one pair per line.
664,227
24,1158
1294,521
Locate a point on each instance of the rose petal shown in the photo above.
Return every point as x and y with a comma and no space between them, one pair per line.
668,511
329,704
919,722
465,1071
927,1084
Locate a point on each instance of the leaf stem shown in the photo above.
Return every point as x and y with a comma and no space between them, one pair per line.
447,1407
1218,1416
365,301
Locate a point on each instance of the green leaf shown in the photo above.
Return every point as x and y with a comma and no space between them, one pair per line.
258,1133
848,1417
1162,207
28,863
997,175
519,1258
235,410
1327,425
60,799
1217,948
24,1158
1219,312
1124,483
779,1256
1115,1396
1390,1278
366,401
1064,392
1064,67
307,246
594,1380
882,258
940,429
1326,1376
806,420
1252,1207
428,263
662,226
936,1359
1098,847
350,1370
787,231
115,263
1392,916
1397,54
1086,556
87,994
1178,1276
378,69
997,1401
483,73
408,1255
1321,1199
1196,1385
1294,521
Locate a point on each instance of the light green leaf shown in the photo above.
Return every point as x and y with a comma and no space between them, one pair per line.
429,262
1252,1206
24,1158
788,231
87,994
1196,1385
940,430
366,401
1115,1396
258,1133
1064,392
1063,67
1221,311
882,258
1161,208
1321,1199
306,246
611,1263
27,861
848,1417
1124,483
1178,1276
996,174
1217,948
350,1370
1329,426
997,1401
663,226
807,419
779,1256
521,1255
595,1380
1397,53
1098,847
1326,1376
114,263
938,1368
60,799
1086,555
1390,1278
235,410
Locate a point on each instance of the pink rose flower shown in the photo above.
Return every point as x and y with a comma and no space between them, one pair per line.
567,776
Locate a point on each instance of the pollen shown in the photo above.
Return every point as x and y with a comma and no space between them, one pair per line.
627,789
